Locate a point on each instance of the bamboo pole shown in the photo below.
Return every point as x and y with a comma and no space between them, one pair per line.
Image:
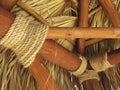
39,71
111,12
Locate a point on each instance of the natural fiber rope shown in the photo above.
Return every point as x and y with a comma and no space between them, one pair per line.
25,38
88,75
82,67
100,62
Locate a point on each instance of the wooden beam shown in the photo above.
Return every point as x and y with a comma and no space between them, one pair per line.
60,32
42,75
57,54
67,32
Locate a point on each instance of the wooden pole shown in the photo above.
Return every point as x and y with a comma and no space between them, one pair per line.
39,71
42,75
66,32
83,22
92,84
111,12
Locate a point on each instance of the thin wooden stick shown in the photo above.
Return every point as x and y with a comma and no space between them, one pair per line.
83,22
92,41
32,12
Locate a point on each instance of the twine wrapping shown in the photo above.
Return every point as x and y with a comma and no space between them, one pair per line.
82,67
25,38
100,63
88,75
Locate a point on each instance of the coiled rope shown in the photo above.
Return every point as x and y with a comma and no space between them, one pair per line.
25,38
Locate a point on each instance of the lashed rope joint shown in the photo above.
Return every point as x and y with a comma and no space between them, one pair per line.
25,38
82,67
100,62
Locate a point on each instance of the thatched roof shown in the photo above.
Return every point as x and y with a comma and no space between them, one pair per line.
65,13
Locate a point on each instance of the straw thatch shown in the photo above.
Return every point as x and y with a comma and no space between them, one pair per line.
60,13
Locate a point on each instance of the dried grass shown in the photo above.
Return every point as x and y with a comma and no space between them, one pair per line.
60,13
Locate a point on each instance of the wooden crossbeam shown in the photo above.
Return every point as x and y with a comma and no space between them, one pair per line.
83,32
